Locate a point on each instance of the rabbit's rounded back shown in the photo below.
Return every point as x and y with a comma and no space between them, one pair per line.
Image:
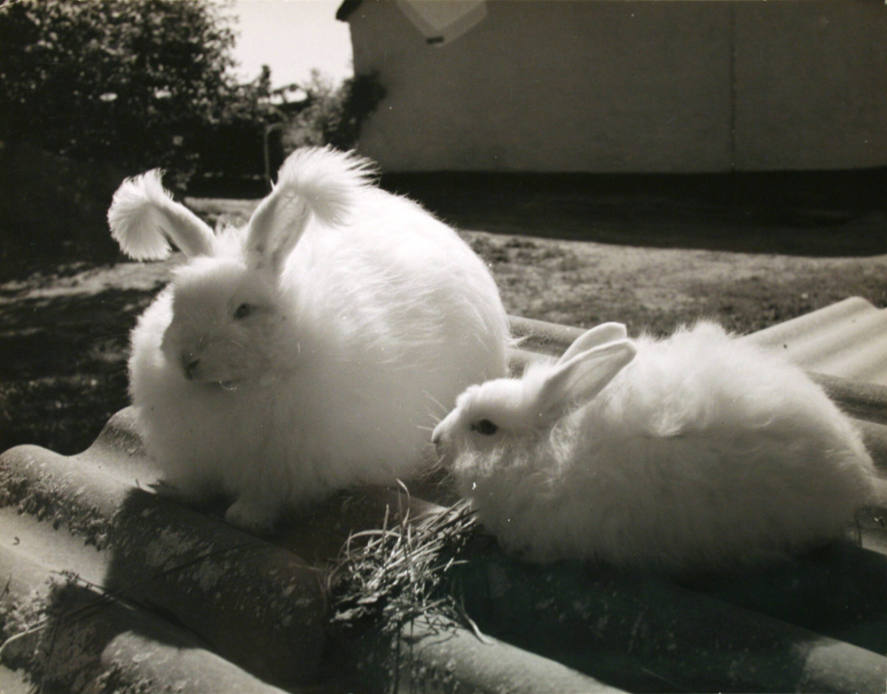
704,450
311,349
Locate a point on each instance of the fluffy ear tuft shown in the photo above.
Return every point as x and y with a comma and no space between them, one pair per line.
314,180
326,179
144,218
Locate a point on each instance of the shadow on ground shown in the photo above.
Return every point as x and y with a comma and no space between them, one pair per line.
63,365
813,214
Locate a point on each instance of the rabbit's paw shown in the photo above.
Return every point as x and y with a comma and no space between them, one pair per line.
254,516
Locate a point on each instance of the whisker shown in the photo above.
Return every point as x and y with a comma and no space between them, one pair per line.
443,408
441,462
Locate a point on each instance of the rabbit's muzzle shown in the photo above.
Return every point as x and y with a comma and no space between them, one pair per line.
442,440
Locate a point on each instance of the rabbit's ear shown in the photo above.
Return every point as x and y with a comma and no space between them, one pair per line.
582,377
275,228
312,181
598,335
144,218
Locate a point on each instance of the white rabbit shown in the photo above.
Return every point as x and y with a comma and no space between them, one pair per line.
697,451
305,352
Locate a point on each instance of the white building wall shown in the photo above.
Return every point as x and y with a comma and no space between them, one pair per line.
628,86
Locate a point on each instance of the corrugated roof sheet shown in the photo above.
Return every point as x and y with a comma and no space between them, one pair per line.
111,588
847,339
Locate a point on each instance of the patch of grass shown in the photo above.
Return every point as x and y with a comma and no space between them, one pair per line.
753,303
64,343
654,290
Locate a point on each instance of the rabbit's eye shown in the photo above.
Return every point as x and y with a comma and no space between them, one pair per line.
485,427
243,311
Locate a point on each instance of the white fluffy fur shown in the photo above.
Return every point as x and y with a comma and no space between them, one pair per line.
327,178
336,369
143,219
323,181
704,451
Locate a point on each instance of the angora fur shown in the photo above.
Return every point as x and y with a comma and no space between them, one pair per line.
701,450
308,351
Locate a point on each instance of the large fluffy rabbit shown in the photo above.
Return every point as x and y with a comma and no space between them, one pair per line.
700,450
309,350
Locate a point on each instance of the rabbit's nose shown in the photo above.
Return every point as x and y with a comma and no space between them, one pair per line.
437,436
189,365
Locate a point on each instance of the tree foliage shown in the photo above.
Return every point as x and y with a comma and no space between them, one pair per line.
334,114
138,83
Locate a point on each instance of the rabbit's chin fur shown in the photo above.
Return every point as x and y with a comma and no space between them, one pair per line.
379,324
704,452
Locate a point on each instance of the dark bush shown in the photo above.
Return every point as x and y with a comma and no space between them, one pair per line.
334,115
52,206
135,83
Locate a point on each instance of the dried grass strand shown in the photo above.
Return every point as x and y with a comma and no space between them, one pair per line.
393,574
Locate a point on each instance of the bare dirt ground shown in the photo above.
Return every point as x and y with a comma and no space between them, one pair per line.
652,264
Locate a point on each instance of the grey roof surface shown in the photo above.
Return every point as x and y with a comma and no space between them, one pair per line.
109,587
847,339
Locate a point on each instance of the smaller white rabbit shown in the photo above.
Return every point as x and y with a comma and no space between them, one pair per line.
697,451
